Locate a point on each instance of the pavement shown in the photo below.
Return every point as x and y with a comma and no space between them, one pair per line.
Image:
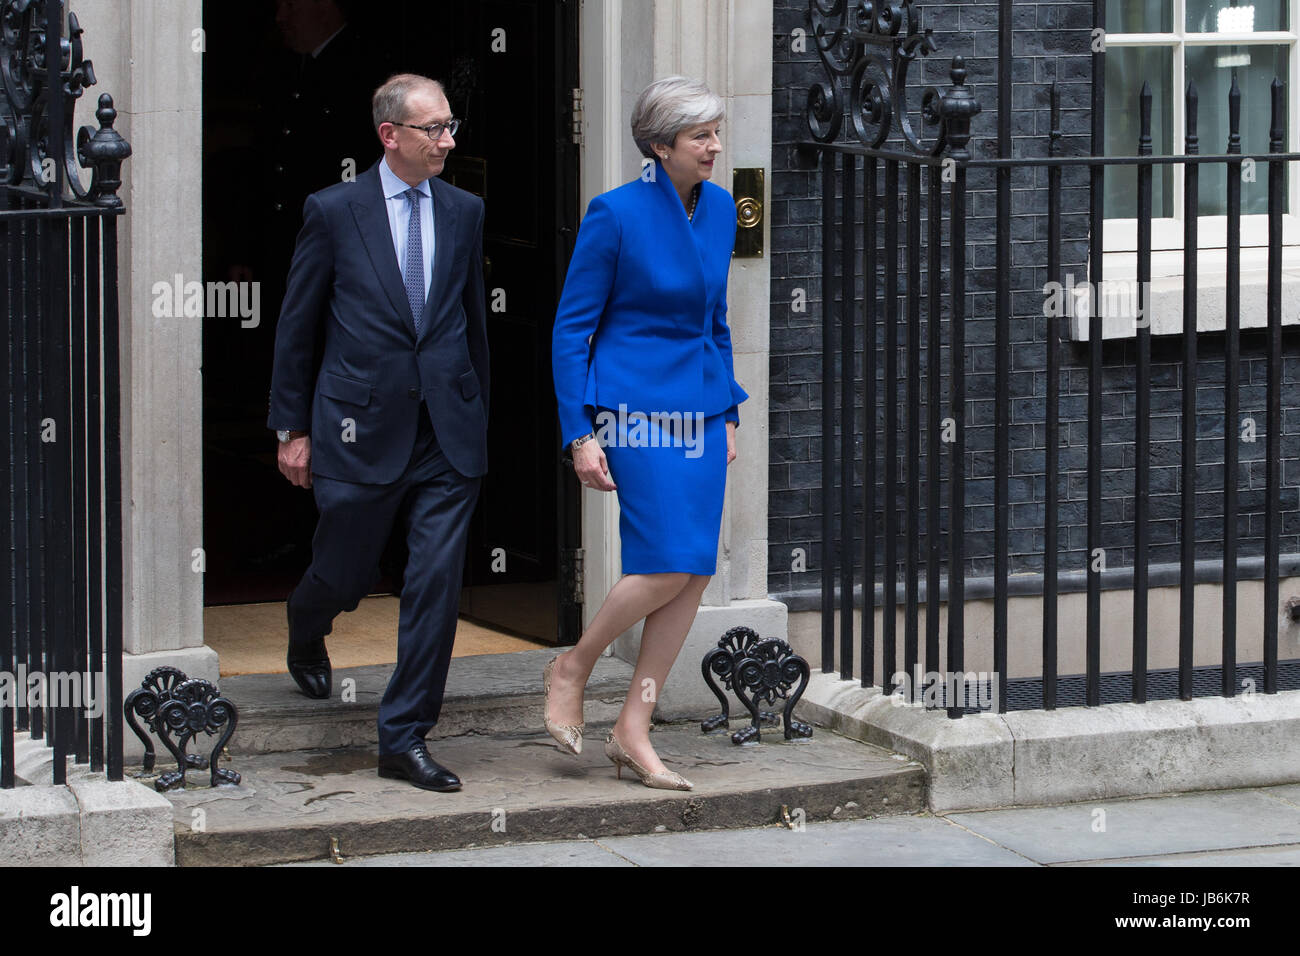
1224,828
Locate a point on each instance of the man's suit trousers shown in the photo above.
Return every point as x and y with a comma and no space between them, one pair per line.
434,503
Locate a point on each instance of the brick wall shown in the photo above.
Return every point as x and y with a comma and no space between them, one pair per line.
1051,42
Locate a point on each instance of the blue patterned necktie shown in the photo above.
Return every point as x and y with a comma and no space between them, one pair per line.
413,274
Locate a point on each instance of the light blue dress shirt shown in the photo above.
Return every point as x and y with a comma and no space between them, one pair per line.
399,215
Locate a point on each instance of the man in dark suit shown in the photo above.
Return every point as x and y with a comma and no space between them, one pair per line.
388,270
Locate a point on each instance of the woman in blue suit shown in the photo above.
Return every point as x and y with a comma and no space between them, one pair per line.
641,357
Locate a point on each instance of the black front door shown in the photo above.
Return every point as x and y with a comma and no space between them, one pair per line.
295,124
512,82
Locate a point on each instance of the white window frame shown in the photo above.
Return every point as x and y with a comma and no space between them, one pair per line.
1167,233
1120,234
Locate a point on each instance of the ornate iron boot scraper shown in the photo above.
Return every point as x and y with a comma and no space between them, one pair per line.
758,671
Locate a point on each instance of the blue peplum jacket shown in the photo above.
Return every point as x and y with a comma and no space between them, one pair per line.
642,321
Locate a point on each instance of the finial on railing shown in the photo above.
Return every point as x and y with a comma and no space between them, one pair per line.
1276,131
958,71
103,151
1144,122
1234,116
959,106
1054,135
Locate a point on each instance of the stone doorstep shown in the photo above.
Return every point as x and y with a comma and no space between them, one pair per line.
486,694
1073,754
291,805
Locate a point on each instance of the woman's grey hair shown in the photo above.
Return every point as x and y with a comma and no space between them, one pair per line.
389,102
668,106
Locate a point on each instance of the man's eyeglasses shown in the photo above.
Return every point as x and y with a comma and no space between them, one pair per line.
434,132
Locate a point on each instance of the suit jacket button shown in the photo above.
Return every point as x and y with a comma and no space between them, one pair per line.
413,392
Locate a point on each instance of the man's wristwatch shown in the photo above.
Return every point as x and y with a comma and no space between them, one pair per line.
579,442
285,434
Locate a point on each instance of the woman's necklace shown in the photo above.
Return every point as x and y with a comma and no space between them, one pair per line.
695,197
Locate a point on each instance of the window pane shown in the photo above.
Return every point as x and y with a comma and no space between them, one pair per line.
1212,68
1209,16
1126,69
1140,16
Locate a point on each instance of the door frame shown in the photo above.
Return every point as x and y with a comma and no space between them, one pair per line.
604,162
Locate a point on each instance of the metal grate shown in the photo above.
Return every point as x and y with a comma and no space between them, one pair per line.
1026,693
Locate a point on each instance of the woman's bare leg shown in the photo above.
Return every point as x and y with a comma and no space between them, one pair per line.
661,640
633,597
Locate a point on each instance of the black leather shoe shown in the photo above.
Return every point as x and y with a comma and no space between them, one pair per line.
418,767
309,665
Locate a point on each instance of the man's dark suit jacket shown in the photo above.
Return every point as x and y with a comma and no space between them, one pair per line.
346,285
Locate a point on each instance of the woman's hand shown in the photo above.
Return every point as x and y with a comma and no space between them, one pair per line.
731,442
591,468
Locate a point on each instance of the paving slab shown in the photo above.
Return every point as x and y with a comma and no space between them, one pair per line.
486,694
1253,856
1289,793
906,840
583,853
524,789
1151,826
887,841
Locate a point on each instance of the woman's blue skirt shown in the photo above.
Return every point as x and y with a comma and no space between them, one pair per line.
671,476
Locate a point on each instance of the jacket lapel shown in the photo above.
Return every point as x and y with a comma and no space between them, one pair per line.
683,228
444,249
372,221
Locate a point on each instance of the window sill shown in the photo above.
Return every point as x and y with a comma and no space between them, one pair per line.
1119,319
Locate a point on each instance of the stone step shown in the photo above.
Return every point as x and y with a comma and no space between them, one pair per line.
522,788
486,694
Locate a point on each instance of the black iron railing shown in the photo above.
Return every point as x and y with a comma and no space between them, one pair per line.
61,523
914,176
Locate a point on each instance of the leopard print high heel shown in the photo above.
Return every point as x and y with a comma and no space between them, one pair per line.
568,736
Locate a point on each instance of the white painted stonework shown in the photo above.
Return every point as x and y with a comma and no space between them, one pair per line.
144,55
726,43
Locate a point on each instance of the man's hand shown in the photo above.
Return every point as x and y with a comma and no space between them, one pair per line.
295,460
731,442
591,468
